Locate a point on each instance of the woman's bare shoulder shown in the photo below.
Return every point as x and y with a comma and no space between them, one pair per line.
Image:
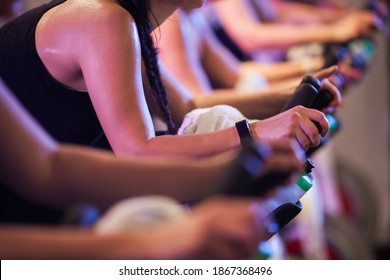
102,13
85,16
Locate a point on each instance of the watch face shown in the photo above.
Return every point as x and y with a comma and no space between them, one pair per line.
243,129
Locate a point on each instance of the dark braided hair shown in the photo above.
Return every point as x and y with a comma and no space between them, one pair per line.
139,9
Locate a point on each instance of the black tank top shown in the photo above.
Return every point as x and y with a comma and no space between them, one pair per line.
66,114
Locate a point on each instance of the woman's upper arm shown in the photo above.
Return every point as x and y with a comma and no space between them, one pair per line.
110,61
246,20
218,62
179,46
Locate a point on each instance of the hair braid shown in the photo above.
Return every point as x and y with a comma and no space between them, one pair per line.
140,12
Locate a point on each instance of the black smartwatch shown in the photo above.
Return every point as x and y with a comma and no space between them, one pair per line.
244,131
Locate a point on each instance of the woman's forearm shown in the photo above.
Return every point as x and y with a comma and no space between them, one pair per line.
60,243
269,36
303,13
195,146
282,70
254,105
103,179
251,35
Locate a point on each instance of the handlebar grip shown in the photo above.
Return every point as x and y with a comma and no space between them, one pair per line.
311,80
244,179
323,100
304,95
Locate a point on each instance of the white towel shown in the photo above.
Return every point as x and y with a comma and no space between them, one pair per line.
140,212
211,119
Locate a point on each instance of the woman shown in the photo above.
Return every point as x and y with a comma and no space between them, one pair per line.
91,71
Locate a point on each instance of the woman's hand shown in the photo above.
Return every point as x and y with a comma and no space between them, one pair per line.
353,26
328,83
285,157
218,228
296,123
